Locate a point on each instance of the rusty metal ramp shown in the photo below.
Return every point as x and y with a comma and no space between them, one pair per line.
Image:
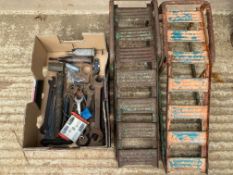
187,43
133,46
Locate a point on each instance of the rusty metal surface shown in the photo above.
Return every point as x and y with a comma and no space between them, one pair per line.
136,78
134,48
176,137
137,157
134,34
142,106
136,135
185,36
196,34
131,92
183,84
96,131
198,164
189,57
128,11
182,16
136,117
133,17
137,143
135,54
187,112
136,130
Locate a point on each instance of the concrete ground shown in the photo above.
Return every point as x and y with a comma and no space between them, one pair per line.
19,23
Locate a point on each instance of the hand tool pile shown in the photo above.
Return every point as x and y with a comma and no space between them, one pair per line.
76,110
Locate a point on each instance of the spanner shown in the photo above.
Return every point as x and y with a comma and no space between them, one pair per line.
96,134
78,104
90,94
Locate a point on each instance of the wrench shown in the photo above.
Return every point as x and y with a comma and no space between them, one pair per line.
96,134
58,103
90,94
78,104
47,128
84,139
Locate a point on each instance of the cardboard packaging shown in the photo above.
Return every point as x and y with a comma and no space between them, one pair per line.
44,48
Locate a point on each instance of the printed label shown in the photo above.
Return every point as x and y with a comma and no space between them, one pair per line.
73,128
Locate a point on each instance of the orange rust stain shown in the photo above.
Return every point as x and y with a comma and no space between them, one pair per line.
217,77
187,112
173,138
188,84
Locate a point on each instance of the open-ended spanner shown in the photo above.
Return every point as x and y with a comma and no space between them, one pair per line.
78,104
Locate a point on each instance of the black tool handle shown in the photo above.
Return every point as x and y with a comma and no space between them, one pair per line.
46,128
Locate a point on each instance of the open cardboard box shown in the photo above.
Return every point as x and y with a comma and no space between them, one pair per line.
44,48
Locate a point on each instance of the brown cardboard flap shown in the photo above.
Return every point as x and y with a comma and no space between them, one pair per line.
54,44
103,57
30,127
39,56
91,40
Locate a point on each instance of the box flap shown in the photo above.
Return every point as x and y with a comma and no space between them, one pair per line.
91,40
39,57
30,128
54,44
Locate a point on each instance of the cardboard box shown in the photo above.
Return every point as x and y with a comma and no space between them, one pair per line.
44,48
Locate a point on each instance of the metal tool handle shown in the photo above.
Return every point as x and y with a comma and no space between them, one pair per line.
58,103
106,106
47,127
96,133
98,88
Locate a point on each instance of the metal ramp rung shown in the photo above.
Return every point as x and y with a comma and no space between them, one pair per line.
136,78
184,84
134,34
187,112
189,57
183,16
137,130
186,36
136,106
198,164
137,157
135,54
191,137
132,11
